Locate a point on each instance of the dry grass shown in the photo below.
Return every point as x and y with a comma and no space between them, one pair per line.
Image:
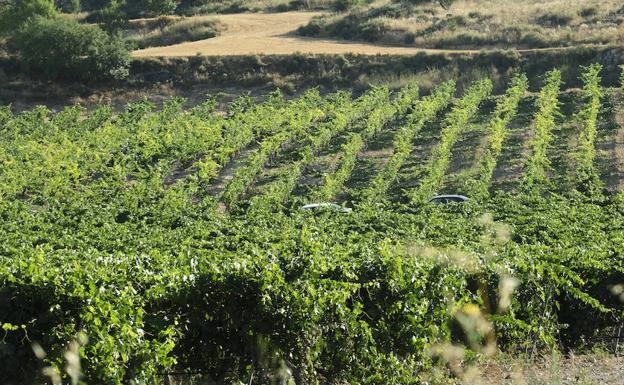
249,34
174,31
273,34
79,17
143,26
237,6
489,23
504,369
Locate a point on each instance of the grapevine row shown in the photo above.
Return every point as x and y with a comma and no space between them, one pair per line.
455,122
424,111
93,243
547,106
505,111
332,183
345,113
302,113
131,145
592,94
239,131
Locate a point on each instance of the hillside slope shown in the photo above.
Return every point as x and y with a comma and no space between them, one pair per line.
274,34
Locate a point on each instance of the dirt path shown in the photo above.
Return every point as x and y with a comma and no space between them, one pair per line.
273,34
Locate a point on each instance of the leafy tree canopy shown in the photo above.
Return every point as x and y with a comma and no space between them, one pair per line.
14,14
61,48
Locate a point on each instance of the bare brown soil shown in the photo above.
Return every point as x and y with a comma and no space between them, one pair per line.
572,370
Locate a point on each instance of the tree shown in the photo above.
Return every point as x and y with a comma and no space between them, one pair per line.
161,7
112,17
16,13
69,6
60,48
149,8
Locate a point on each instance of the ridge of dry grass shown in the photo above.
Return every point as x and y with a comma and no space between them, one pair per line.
479,24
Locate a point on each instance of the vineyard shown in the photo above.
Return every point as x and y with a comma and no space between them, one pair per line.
171,241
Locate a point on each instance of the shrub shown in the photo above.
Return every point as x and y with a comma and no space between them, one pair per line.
13,15
186,30
446,4
394,11
414,2
553,20
533,39
373,30
314,27
60,48
111,17
159,7
205,7
69,6
131,9
589,11
343,5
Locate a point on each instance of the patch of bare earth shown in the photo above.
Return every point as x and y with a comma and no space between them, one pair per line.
570,370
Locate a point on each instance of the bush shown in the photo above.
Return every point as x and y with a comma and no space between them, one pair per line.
314,27
393,10
112,18
60,48
182,31
13,15
373,30
159,7
69,6
443,3
343,5
130,9
588,12
554,20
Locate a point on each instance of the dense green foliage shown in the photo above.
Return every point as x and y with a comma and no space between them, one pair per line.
110,226
504,112
14,14
456,121
375,121
593,94
547,106
59,48
68,6
303,113
131,8
424,111
53,47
